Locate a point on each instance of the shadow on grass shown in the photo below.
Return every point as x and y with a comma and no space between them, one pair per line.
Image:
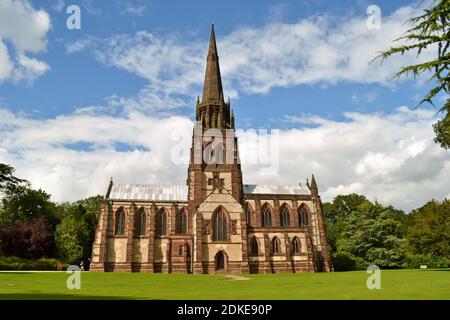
55,296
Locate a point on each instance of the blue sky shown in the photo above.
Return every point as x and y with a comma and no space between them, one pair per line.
300,66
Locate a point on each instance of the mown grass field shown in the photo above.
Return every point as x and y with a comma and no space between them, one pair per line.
395,284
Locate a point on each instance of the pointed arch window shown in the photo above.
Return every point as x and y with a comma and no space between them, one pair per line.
161,223
296,246
120,222
303,216
181,222
285,216
140,222
266,213
248,214
220,225
275,246
254,246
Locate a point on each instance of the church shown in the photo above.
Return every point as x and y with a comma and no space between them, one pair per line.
214,223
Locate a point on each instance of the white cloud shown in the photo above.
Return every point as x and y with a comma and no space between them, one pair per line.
24,29
130,8
58,5
388,157
320,49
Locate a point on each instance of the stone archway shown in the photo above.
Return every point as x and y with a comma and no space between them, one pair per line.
221,261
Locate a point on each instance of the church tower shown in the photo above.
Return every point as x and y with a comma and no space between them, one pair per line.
215,190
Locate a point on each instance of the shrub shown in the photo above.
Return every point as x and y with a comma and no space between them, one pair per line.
16,263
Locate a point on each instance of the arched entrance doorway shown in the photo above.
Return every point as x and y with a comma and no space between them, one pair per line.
221,261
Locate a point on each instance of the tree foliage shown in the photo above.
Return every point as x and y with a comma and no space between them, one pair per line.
428,234
76,232
27,238
7,177
430,30
22,202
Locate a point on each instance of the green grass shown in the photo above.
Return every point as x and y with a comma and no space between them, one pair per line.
395,284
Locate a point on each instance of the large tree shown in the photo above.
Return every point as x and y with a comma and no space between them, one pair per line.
428,234
430,30
76,233
22,202
362,233
27,238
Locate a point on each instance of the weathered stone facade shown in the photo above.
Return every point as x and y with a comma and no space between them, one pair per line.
216,222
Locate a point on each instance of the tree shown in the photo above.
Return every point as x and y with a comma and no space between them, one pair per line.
428,233
336,215
373,235
7,177
431,29
22,202
71,237
27,238
76,233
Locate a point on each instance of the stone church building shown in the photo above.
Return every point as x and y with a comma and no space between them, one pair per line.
214,223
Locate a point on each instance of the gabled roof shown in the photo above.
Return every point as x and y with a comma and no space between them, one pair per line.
145,192
274,189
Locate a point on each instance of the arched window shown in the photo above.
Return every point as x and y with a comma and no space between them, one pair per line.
140,222
303,216
181,222
161,222
266,215
120,222
220,225
254,246
285,216
275,246
248,214
296,246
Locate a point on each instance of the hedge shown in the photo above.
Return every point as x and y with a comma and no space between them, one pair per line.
15,263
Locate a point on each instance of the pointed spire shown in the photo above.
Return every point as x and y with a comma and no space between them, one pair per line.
232,119
108,192
212,89
314,188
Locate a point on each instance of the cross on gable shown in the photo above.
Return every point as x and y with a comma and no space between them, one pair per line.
216,181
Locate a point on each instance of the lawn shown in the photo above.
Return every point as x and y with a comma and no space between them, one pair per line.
395,284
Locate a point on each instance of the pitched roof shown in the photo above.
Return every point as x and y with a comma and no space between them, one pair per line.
274,189
145,192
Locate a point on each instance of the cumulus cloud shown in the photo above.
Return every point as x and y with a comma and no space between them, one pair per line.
319,49
388,157
23,31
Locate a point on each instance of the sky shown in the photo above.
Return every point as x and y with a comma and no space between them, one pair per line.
115,97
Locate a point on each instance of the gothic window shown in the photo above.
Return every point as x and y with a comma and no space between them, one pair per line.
120,222
275,246
303,216
180,250
140,222
266,213
285,216
254,246
248,214
161,223
220,225
296,246
181,222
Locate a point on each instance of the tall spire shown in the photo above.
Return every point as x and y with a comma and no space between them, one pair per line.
212,89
